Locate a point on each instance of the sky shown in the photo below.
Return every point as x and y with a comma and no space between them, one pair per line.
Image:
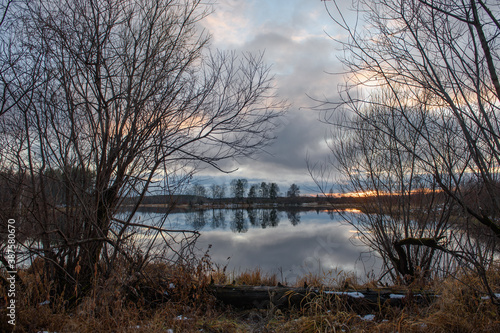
294,36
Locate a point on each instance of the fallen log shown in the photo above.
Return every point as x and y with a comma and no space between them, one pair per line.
261,297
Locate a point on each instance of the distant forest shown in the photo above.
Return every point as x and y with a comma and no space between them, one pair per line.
241,192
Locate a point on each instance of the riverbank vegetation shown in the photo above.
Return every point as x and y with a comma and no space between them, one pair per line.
102,101
163,298
417,127
106,102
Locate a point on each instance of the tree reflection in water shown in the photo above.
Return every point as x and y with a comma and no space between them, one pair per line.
218,219
239,224
197,219
293,217
293,242
240,219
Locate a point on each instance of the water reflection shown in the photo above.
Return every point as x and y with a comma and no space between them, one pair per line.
288,243
239,224
293,217
240,219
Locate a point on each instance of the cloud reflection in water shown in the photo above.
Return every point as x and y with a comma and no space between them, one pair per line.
296,244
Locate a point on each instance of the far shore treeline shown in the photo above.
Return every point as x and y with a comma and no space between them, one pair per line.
240,194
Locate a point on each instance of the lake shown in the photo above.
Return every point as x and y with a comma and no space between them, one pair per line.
289,244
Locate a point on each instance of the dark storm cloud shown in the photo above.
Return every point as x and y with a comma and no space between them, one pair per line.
299,68
292,36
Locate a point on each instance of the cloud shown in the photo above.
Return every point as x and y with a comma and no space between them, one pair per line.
228,24
297,250
291,35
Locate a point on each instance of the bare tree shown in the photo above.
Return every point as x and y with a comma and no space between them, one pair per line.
198,190
293,191
218,191
440,56
238,188
128,98
264,190
6,61
274,191
405,214
252,192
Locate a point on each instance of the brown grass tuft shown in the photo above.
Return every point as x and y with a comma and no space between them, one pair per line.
175,297
256,277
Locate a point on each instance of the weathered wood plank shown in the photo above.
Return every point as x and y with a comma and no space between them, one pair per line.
265,296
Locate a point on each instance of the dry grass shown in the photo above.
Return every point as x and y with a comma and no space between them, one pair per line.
135,304
256,277
462,309
336,279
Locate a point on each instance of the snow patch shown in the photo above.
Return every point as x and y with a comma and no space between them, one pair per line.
488,297
353,294
368,317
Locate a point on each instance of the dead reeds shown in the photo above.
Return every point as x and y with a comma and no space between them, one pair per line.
176,298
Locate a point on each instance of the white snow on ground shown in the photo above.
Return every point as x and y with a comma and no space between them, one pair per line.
488,297
368,317
353,294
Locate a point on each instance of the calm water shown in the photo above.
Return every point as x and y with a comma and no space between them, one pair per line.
290,244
